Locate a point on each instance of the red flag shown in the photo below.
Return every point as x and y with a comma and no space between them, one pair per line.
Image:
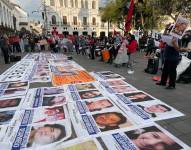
128,20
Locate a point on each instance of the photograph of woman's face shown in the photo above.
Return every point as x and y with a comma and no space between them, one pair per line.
90,94
18,84
9,102
152,138
87,86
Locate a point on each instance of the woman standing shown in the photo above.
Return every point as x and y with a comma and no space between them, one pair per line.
132,48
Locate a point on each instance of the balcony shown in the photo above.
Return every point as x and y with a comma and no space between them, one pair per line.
57,24
85,24
64,24
95,24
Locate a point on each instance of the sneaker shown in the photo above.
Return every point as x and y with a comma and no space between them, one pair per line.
130,71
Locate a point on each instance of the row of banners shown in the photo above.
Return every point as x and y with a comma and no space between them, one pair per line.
104,114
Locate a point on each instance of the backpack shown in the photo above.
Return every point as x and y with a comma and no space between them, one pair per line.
152,66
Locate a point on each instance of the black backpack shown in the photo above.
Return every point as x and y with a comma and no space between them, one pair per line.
152,66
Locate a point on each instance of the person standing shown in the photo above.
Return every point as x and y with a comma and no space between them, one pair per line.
4,45
171,56
132,48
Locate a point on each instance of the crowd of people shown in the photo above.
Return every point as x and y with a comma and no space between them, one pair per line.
121,49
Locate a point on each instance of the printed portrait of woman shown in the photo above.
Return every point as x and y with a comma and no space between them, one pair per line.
46,134
17,84
87,86
138,97
109,120
14,91
123,89
155,109
6,116
180,27
53,100
98,105
52,91
10,102
90,94
116,82
151,138
49,114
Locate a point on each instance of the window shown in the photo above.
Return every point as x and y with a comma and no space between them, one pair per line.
93,5
53,19
76,3
75,20
84,20
82,4
86,4
102,24
93,21
52,3
66,3
61,3
64,19
72,3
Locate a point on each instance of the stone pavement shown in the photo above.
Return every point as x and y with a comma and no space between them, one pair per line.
179,98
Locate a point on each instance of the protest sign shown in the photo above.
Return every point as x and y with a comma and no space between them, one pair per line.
180,27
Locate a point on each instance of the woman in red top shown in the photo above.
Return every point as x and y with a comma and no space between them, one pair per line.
132,48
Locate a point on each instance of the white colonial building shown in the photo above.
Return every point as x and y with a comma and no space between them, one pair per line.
12,17
6,16
75,17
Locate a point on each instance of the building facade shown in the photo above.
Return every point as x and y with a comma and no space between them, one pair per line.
6,17
12,18
75,17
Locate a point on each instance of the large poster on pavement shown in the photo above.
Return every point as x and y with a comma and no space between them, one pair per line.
71,77
145,137
41,128
10,89
46,96
106,75
98,120
148,111
117,86
18,72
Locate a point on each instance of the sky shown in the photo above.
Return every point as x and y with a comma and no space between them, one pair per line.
29,6
33,5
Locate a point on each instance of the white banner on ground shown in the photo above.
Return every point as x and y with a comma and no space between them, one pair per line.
141,138
106,75
149,111
19,72
12,89
42,97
